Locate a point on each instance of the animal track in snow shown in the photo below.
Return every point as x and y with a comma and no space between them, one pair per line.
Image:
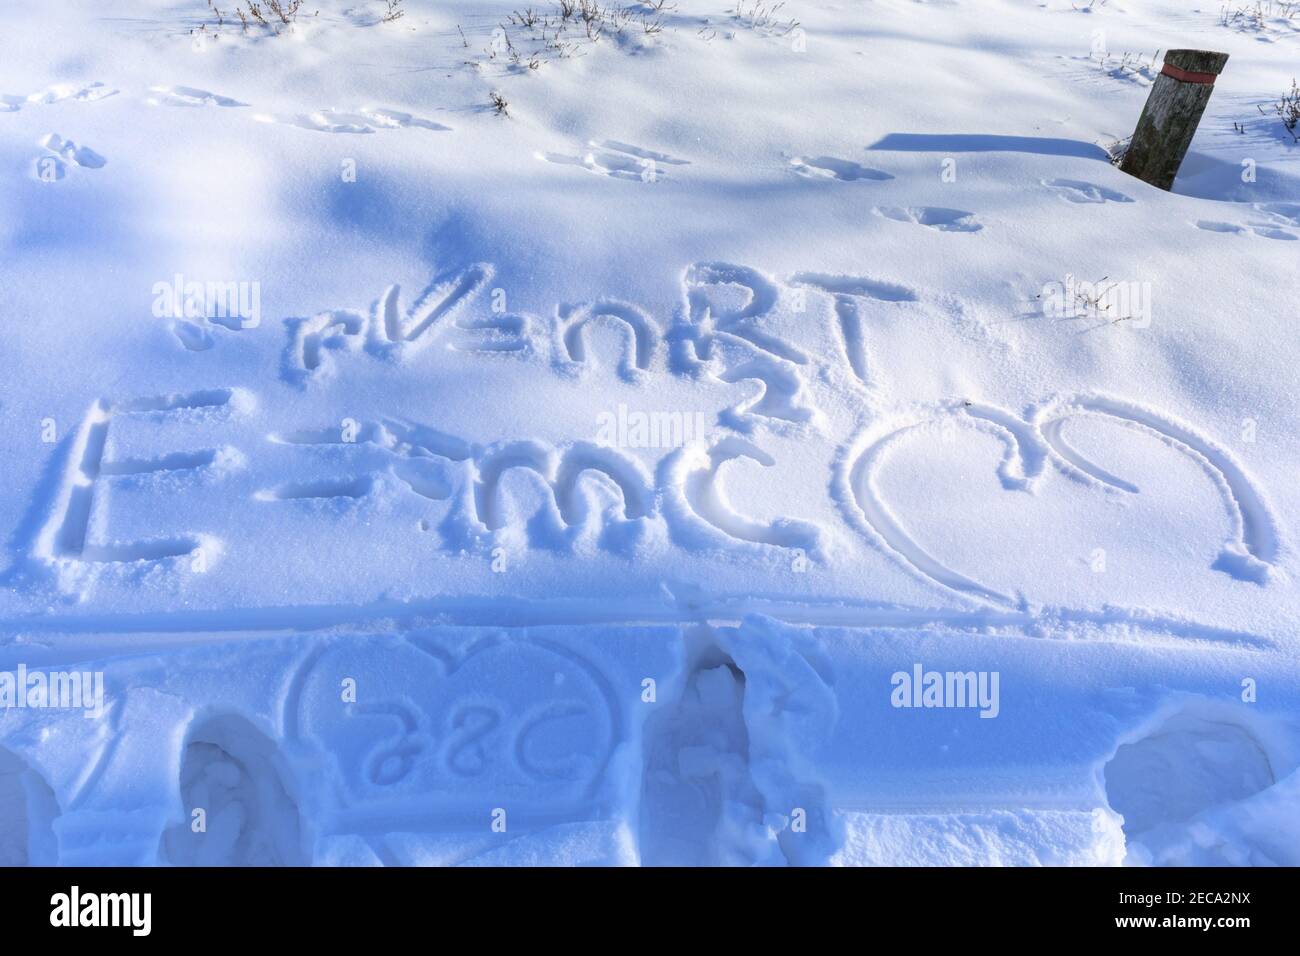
721,769
172,462
617,160
1263,230
187,96
69,151
1214,225
324,121
422,458
933,217
60,154
1078,191
842,170
737,323
57,93
365,120
494,334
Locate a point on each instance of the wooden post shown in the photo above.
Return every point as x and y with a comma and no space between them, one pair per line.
1169,119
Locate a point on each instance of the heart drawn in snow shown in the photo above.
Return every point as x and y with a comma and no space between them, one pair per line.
440,727
1249,552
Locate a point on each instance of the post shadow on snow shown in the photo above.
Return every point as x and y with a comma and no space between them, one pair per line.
988,143
1202,176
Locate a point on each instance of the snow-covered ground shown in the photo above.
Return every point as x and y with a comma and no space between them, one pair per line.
603,476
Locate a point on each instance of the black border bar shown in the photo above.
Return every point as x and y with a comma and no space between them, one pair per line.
332,905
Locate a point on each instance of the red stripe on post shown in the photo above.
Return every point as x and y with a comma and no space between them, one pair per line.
1184,76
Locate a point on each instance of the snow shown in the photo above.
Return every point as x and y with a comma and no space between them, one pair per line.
370,582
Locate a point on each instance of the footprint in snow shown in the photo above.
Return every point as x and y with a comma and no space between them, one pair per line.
934,217
617,160
828,167
1076,190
